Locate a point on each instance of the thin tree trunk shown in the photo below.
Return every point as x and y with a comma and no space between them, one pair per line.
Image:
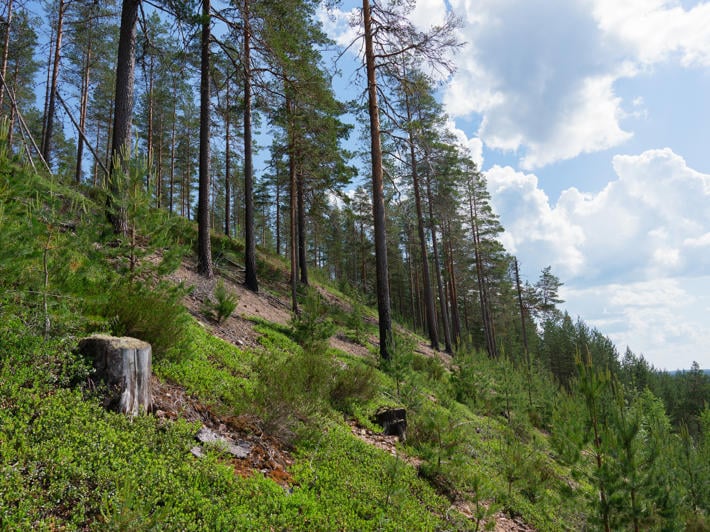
149,147
378,202
302,255
204,248
437,270
488,330
429,307
83,107
526,352
48,83
51,107
453,292
277,187
227,159
5,54
172,154
293,204
250,278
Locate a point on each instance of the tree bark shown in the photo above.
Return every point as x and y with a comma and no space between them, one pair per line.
123,111
293,204
302,255
5,54
51,106
250,278
378,202
437,270
124,364
204,248
430,309
227,159
83,107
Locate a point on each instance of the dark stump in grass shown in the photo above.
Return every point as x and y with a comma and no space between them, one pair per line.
393,421
124,365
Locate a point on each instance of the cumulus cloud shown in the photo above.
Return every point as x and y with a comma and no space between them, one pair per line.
639,248
337,25
542,73
652,220
473,146
658,29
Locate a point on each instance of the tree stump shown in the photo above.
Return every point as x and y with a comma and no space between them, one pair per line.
393,421
124,364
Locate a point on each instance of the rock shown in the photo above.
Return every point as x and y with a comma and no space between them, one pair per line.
124,364
393,421
238,450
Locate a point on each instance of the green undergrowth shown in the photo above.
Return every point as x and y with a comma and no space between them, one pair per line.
477,430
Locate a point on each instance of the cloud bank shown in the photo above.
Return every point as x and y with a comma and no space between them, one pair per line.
634,256
542,73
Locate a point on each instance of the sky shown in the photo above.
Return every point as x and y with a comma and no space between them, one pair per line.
591,122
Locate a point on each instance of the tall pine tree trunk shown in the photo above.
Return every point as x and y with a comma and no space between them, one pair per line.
172,153
293,206
453,291
250,279
488,329
149,147
437,270
204,249
301,206
84,103
227,159
51,105
123,111
5,53
429,307
378,201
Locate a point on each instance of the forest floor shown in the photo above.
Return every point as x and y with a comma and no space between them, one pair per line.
269,455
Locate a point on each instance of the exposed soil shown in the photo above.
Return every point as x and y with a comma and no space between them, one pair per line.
268,455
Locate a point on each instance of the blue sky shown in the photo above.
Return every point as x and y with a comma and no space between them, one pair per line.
591,119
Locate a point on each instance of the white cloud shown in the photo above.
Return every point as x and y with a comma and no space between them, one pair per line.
534,229
337,24
652,220
428,13
473,146
542,73
638,247
657,29
589,123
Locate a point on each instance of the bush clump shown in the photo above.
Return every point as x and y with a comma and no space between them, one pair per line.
153,314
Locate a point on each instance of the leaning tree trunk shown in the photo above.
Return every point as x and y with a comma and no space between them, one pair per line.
51,106
124,364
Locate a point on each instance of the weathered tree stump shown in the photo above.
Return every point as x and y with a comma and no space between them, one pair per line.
393,421
124,364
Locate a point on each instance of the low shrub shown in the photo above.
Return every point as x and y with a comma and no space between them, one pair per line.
224,304
153,314
312,327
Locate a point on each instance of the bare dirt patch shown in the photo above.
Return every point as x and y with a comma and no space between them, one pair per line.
237,329
267,455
